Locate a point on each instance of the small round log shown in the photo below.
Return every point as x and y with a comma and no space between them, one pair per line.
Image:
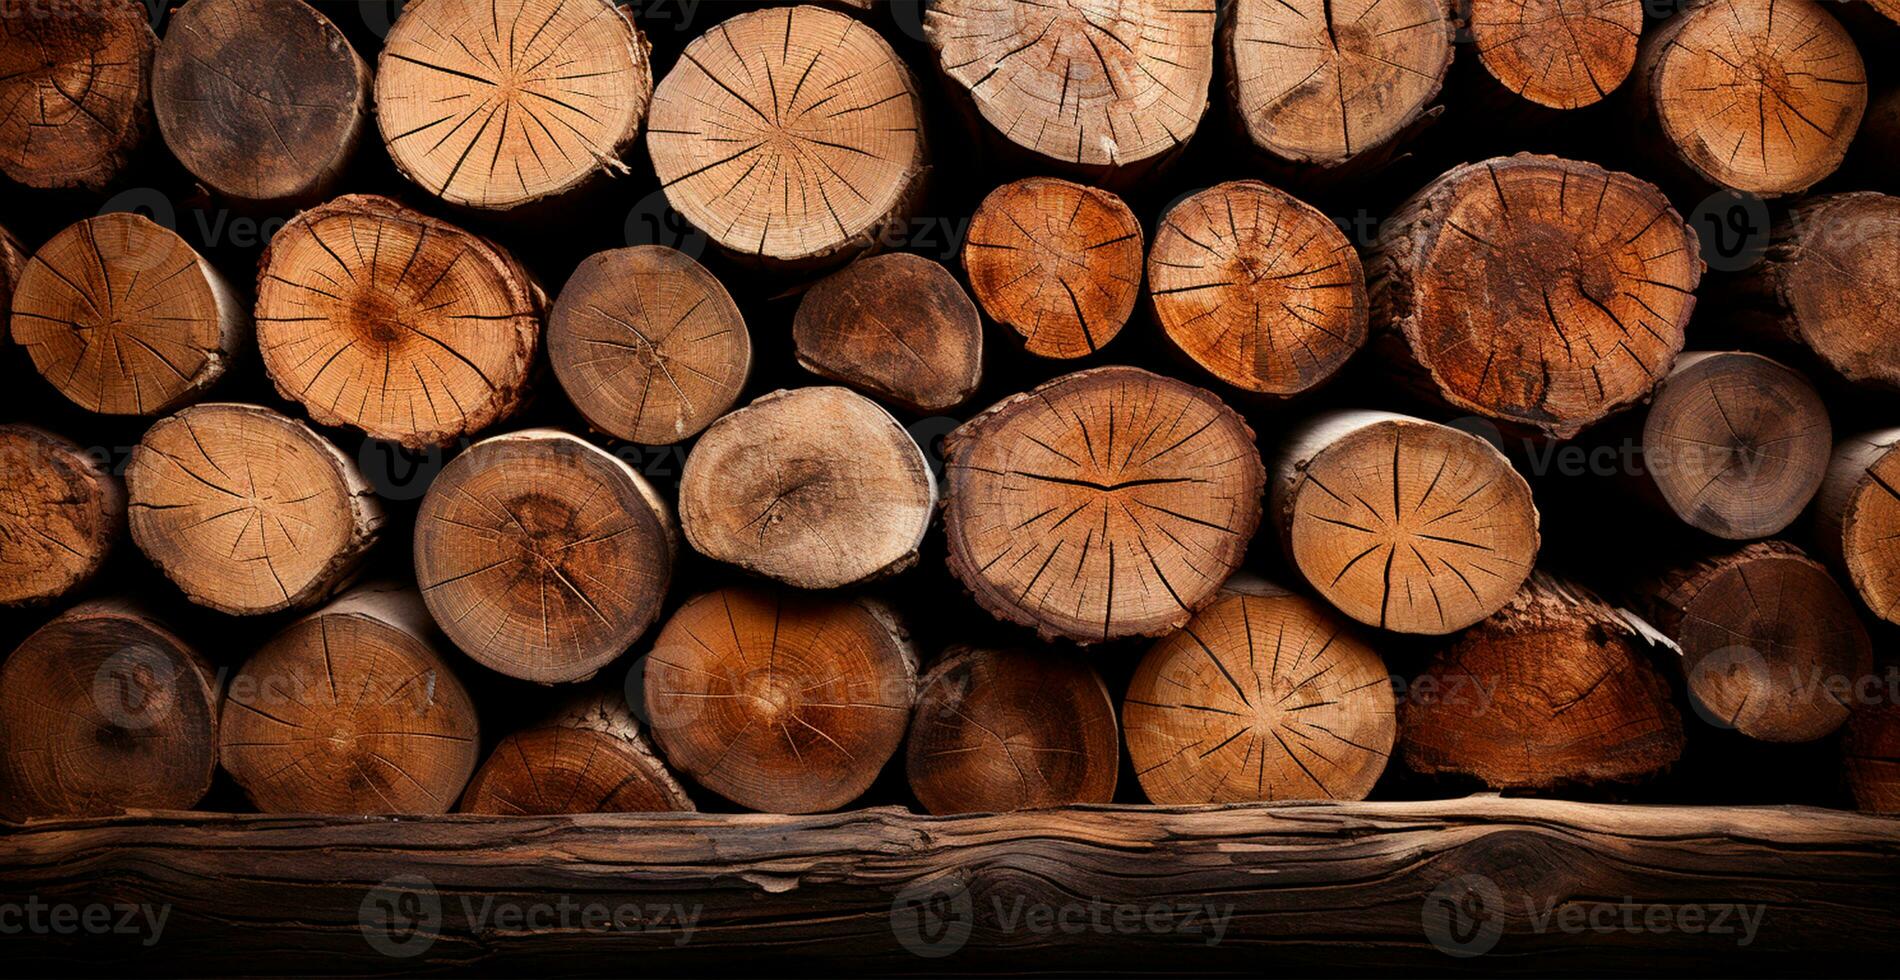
1768,640
1257,287
76,81
895,326
1057,262
1106,503
103,710
1266,696
375,316
1830,282
542,556
496,105
1401,523
123,318
1857,515
262,100
1104,90
249,511
815,487
792,136
1000,730
1762,96
782,702
1871,751
1320,82
1736,444
350,710
1554,689
647,344
1535,290
1561,54
591,757
59,517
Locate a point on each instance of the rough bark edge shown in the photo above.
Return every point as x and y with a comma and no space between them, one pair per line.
112,498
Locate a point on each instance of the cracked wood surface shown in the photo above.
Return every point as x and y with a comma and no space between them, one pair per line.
1771,646
1554,689
816,487
1258,287
1057,262
248,511
897,326
104,709
780,701
1401,523
1106,503
591,756
1322,81
1855,511
263,100
1762,96
60,515
647,344
1012,729
1736,443
1870,749
499,103
542,556
1564,54
1307,887
793,136
375,316
1538,291
1829,281
1266,696
75,91
1098,85
123,317
13,258
350,710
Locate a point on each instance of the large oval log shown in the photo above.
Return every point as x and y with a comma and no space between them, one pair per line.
124,318
1106,503
375,316
101,710
495,105
350,710
1535,290
76,78
1264,695
591,756
791,136
262,100
542,556
780,701
59,517
1554,689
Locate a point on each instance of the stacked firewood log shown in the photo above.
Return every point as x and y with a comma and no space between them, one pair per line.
982,405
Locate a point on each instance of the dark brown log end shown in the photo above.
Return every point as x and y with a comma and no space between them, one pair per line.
77,79
1834,274
896,326
591,757
59,518
1871,750
1857,518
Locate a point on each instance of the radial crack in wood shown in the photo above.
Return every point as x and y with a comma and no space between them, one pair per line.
1554,689
351,710
896,326
103,710
791,135
1535,290
1759,95
815,487
590,757
1106,503
376,316
542,556
1563,54
1257,287
1857,517
75,91
499,103
1057,262
647,344
999,730
60,515
783,702
249,511
123,318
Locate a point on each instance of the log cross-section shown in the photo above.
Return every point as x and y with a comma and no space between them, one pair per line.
1291,888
